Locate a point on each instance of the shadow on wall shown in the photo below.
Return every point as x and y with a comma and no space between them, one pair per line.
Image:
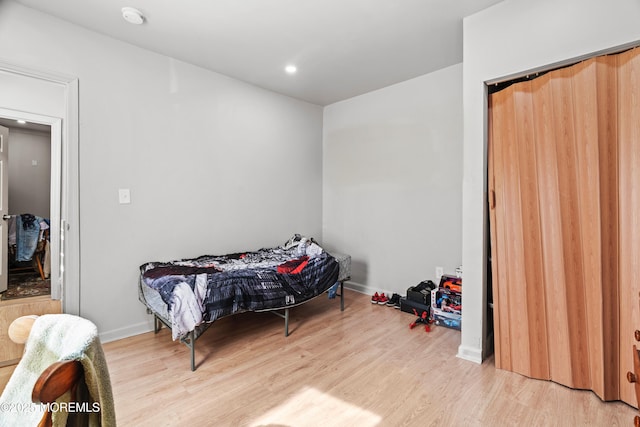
358,272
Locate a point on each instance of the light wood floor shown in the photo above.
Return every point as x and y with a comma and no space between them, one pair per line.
361,367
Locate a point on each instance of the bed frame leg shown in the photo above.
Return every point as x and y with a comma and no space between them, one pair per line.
157,325
192,346
342,296
286,322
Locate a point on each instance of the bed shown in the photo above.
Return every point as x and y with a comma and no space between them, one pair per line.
189,295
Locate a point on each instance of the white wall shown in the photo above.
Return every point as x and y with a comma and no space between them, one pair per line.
214,165
393,179
510,38
29,184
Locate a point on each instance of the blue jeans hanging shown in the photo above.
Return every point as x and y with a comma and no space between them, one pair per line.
26,239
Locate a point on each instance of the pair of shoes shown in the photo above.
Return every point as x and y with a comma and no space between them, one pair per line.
379,299
394,301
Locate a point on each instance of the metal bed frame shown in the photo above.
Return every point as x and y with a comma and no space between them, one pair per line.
190,339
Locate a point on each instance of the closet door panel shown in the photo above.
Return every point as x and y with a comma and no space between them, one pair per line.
531,244
552,289
512,296
501,361
571,237
588,176
629,183
606,100
516,295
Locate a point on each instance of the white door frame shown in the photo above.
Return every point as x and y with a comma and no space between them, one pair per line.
65,212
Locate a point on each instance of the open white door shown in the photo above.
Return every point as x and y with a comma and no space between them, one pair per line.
4,208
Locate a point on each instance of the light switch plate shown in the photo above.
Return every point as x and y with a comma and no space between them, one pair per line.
124,196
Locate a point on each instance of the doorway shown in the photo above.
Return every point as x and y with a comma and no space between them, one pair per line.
56,204
28,212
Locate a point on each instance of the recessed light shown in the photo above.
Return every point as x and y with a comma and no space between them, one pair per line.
290,69
132,15
22,122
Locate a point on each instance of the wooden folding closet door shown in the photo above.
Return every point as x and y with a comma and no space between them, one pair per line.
564,194
629,177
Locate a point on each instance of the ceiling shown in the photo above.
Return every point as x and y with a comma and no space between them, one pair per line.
12,124
342,48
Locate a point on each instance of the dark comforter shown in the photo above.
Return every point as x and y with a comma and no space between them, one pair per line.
219,286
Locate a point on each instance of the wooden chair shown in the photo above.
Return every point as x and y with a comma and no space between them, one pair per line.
56,380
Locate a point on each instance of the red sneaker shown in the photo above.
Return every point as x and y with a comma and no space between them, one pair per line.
382,299
375,298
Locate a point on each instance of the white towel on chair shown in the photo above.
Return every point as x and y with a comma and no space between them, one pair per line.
53,338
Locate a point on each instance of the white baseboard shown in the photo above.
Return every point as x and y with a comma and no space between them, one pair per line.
129,331
353,286
470,353
356,287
